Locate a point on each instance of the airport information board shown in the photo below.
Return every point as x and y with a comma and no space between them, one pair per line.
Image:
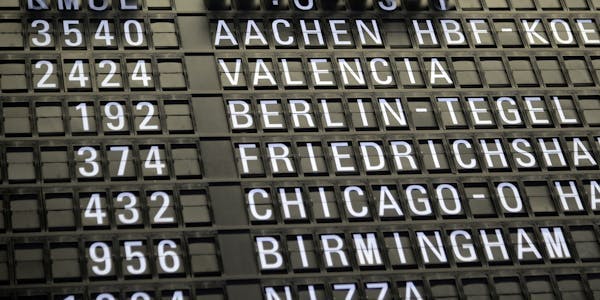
299,149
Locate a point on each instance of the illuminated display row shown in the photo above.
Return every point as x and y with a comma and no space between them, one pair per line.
471,285
426,33
123,160
411,202
370,250
378,71
118,116
93,209
93,161
110,74
347,156
300,5
358,113
136,257
504,286
414,112
392,203
117,73
156,33
97,34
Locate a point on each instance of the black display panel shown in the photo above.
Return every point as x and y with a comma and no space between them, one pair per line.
299,149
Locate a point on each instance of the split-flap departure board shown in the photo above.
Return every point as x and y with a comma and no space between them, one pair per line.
299,149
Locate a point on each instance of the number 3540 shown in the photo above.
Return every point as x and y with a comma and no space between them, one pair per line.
72,33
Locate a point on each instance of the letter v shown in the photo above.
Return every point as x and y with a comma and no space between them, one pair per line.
238,68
